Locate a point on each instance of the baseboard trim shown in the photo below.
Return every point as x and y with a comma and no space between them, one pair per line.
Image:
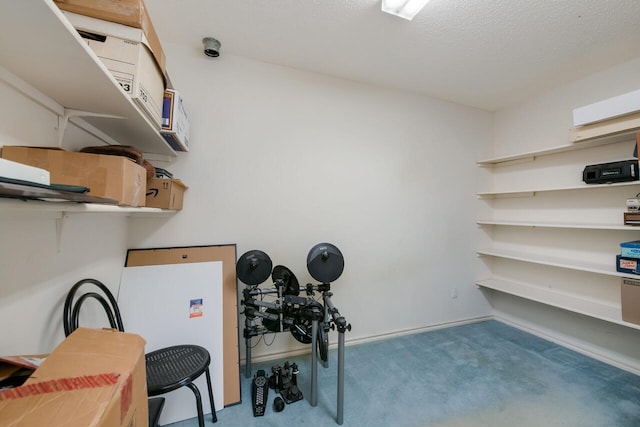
572,345
419,330
369,339
524,326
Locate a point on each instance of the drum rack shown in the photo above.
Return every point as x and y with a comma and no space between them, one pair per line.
283,309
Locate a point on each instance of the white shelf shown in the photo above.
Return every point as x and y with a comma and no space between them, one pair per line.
627,135
572,264
534,224
533,191
17,208
40,47
550,287
588,307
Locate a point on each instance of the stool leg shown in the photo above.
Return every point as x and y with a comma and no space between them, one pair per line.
213,407
195,390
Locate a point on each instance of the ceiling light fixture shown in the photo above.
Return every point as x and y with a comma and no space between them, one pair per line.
406,9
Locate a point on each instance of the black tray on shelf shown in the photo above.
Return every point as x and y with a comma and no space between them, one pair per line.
26,190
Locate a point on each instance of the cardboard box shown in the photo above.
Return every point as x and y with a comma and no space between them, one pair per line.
113,177
123,50
630,295
132,13
627,265
165,193
630,249
175,123
632,218
95,377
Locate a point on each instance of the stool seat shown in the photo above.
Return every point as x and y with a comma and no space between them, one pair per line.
170,368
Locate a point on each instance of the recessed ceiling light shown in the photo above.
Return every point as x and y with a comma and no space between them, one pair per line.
406,9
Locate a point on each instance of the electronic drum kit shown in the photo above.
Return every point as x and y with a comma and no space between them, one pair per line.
281,308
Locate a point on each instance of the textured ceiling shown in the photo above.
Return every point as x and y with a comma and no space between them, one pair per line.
483,53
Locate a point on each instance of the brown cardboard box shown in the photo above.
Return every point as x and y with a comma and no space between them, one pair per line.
630,295
165,193
113,177
95,377
128,12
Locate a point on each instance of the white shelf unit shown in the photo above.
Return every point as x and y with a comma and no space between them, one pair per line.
585,306
18,208
552,261
543,242
594,141
534,191
42,56
540,224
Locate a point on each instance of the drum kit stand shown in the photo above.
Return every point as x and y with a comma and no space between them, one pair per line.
281,308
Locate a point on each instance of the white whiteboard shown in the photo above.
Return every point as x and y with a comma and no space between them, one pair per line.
174,304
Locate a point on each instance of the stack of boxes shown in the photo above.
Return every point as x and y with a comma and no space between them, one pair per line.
112,177
628,262
629,258
122,36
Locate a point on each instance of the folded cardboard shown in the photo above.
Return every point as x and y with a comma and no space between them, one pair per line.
175,123
126,54
95,377
113,177
132,13
15,370
630,295
165,193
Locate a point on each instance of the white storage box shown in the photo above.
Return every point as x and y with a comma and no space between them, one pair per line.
126,54
607,109
175,124
15,170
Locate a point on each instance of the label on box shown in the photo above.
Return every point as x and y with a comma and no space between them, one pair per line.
630,282
630,252
628,264
125,80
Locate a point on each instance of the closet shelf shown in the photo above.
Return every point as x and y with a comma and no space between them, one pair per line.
588,307
533,191
571,264
61,73
17,208
627,135
540,224
555,287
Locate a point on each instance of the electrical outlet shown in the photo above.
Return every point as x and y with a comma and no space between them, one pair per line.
454,292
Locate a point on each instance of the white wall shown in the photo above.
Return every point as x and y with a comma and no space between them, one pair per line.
281,160
42,256
545,122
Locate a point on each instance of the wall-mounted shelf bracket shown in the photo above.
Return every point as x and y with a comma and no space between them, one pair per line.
75,116
60,222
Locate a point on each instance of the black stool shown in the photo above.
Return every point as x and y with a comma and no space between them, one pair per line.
170,368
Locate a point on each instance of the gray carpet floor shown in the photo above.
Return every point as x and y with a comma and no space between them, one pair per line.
482,374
